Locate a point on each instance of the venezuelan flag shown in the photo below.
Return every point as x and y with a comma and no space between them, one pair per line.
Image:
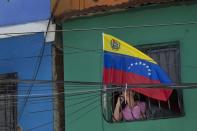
124,64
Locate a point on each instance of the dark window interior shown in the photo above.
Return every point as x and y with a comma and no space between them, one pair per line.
8,103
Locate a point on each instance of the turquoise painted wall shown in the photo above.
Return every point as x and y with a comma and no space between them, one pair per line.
85,64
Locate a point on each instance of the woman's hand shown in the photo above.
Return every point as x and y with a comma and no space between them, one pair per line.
117,114
118,101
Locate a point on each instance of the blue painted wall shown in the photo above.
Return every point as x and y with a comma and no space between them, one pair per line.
23,11
12,53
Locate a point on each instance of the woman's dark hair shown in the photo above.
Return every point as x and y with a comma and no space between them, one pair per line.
122,101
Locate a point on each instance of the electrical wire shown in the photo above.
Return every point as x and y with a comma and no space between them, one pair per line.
79,52
41,54
90,98
51,99
82,101
76,52
40,126
64,99
94,102
51,96
34,77
68,85
106,28
167,86
183,86
75,103
48,55
39,61
69,106
42,111
74,119
84,114
29,81
82,107
90,83
80,94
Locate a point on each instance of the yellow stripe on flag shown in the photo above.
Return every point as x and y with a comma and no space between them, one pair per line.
123,48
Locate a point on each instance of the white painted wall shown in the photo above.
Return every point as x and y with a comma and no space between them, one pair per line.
22,29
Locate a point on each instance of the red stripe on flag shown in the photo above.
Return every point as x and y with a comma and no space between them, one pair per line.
118,77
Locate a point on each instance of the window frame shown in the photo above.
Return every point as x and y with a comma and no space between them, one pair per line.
155,46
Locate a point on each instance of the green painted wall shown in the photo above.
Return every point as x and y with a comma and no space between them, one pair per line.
86,65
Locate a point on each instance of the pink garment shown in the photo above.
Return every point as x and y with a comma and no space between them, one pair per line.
135,112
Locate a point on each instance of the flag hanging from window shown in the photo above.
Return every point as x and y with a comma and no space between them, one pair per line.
124,64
